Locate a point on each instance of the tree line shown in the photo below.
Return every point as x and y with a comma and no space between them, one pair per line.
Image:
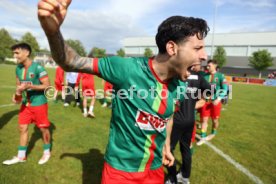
259,60
7,41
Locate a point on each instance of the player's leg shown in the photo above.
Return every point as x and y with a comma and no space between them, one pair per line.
68,91
84,104
58,88
215,114
205,114
91,107
185,142
92,95
42,122
24,118
46,136
104,99
77,95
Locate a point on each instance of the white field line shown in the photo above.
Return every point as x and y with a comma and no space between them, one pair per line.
241,168
6,105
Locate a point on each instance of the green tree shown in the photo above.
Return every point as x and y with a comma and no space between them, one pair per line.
31,40
260,60
121,52
148,52
77,46
97,52
220,56
5,44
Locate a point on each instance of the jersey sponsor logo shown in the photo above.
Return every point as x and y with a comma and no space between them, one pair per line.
147,121
26,82
193,77
42,74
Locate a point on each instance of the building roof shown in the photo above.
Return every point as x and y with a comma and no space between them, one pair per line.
222,39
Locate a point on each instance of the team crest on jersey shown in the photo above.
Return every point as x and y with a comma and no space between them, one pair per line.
216,79
147,121
31,75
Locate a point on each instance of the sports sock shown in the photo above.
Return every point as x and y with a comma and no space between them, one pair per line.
91,108
203,133
46,148
214,131
85,110
22,152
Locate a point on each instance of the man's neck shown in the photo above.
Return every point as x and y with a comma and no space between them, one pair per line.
161,67
213,72
27,62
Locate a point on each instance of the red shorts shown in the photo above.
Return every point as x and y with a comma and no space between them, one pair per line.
88,90
210,110
111,175
58,86
193,134
34,114
108,87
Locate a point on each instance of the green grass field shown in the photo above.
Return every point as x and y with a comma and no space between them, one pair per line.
246,134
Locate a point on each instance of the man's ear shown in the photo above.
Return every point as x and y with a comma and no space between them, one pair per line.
171,48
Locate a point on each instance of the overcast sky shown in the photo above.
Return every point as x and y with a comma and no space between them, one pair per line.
104,23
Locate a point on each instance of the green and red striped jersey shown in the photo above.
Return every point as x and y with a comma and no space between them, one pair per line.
141,108
218,82
33,74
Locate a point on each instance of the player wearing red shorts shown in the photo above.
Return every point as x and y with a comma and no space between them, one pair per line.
212,106
88,91
31,81
107,91
59,83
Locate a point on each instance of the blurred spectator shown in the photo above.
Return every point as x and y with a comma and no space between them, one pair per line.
272,75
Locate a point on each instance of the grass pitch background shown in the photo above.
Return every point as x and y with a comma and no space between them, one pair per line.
246,134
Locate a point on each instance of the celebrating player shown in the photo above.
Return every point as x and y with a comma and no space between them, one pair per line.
139,122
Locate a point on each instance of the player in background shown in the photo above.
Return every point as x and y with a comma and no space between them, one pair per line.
184,126
72,89
140,127
31,81
88,91
59,83
107,92
212,106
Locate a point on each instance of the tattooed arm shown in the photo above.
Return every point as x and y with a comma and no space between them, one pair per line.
51,14
66,57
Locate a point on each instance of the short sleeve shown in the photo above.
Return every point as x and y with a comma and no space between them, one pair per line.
113,69
41,72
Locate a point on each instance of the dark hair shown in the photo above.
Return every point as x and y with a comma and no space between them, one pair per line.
212,61
24,46
179,28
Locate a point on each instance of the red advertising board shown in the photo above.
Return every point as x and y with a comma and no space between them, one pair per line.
240,79
256,81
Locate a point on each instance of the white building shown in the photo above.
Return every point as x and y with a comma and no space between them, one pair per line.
238,47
